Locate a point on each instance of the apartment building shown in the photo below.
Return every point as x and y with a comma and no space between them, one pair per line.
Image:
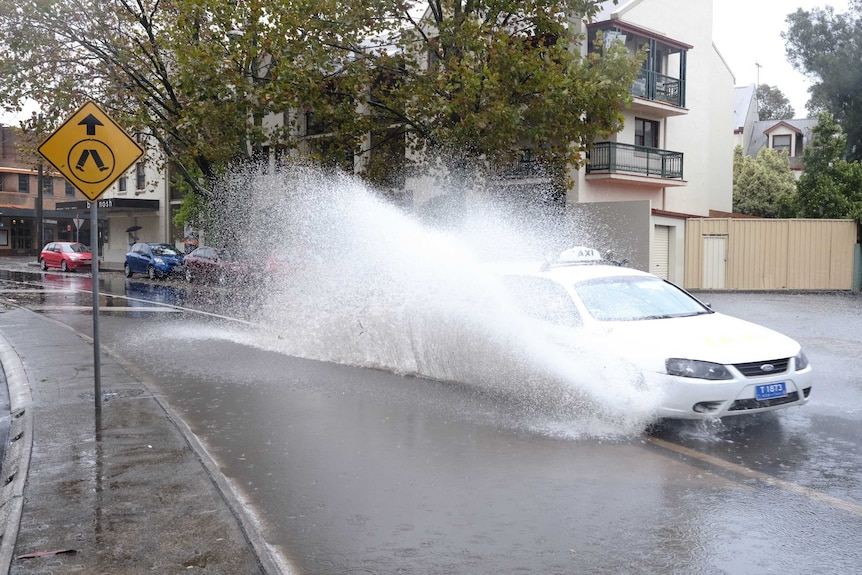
674,158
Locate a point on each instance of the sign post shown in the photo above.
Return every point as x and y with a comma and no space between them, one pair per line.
92,151
78,221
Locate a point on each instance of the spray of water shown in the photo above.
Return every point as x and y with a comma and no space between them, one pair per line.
367,283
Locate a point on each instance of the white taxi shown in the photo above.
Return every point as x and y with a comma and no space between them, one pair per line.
709,365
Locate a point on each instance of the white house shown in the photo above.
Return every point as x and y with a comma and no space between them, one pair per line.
789,136
674,157
753,134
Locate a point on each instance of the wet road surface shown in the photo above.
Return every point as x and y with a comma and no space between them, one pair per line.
362,471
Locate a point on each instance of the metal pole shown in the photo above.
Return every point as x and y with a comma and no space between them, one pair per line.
94,247
40,232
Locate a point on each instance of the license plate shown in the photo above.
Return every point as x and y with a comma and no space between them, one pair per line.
770,390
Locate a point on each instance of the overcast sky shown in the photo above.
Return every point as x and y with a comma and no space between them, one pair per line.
748,32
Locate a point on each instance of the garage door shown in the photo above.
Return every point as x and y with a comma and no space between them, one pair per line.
660,250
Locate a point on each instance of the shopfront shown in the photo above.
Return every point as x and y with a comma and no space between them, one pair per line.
18,230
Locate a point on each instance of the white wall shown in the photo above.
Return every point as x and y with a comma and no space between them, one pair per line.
704,135
155,225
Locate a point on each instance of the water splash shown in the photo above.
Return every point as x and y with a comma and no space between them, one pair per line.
366,283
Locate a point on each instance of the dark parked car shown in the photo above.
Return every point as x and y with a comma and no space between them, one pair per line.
68,256
153,259
216,265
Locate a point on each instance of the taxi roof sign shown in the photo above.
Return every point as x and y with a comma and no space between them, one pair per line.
91,150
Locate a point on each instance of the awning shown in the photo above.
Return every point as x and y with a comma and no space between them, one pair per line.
18,212
111,205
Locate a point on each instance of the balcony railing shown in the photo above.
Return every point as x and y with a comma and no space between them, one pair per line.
522,167
616,157
654,86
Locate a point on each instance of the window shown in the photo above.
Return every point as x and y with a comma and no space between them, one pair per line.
123,183
24,183
70,189
47,186
542,299
314,126
781,143
646,133
635,299
434,58
140,176
22,234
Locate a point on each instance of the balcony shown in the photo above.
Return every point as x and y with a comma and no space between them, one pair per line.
654,86
524,167
660,87
637,164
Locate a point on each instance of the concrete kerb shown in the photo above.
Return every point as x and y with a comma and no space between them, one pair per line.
267,555
16,463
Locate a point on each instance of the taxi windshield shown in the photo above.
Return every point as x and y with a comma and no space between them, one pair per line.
636,298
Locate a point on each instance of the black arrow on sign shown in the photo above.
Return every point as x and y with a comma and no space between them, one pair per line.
91,122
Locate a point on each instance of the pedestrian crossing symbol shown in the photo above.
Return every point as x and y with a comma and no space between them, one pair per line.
91,150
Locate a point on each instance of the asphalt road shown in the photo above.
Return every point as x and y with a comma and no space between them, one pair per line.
354,470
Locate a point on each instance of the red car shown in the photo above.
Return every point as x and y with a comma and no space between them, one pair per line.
68,256
216,265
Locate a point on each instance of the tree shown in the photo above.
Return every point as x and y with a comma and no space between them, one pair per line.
828,48
197,76
772,104
504,75
200,76
763,186
830,187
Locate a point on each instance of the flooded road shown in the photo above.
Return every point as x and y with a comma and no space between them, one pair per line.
356,470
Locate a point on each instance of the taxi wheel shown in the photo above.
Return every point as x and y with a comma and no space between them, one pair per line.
64,266
127,270
151,273
43,265
189,277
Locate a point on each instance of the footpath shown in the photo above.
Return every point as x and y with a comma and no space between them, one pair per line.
124,489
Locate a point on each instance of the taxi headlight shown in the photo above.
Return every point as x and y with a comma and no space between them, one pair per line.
696,369
801,361
159,261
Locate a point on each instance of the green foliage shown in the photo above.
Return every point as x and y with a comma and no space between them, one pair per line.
772,104
503,75
830,187
200,77
827,47
763,186
197,76
194,211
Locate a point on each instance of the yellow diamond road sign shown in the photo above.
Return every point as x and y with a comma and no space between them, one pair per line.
91,150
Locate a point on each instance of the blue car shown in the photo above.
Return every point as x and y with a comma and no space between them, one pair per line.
153,259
